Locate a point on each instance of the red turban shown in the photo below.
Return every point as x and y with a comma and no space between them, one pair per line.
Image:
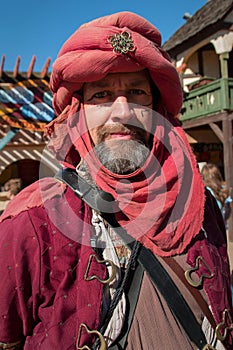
88,56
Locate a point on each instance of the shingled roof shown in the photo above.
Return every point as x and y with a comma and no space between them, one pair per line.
202,23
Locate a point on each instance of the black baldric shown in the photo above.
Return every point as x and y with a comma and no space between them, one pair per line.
102,201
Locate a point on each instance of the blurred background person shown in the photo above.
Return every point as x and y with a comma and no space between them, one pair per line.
213,180
11,188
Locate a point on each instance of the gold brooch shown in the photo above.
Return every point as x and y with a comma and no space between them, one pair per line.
122,43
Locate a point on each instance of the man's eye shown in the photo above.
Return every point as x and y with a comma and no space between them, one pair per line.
100,94
137,92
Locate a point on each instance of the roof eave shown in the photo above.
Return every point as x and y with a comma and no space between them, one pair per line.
197,38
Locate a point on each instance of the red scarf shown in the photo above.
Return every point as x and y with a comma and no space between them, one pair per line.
162,204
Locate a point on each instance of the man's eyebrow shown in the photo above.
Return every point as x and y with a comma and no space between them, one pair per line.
138,82
107,84
98,84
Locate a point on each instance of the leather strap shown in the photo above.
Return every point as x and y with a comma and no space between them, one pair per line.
100,201
95,198
172,263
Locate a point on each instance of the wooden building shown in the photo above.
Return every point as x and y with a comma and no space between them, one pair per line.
25,109
202,52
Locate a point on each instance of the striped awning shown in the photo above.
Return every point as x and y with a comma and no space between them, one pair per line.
25,110
26,104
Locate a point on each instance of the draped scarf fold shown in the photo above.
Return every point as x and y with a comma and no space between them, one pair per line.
161,204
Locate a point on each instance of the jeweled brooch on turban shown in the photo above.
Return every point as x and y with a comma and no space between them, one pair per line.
122,43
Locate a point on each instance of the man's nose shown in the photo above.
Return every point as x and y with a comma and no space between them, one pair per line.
120,111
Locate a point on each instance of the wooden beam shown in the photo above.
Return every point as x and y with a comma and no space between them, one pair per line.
8,137
224,57
45,68
16,69
193,123
2,65
31,66
218,132
228,162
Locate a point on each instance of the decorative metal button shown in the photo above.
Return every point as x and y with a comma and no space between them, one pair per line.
11,345
88,277
188,273
122,43
102,346
224,326
208,347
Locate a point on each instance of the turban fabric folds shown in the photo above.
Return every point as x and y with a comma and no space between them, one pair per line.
88,56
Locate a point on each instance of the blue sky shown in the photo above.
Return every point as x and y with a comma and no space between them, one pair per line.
30,27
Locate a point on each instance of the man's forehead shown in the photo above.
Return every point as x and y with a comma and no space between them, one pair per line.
128,79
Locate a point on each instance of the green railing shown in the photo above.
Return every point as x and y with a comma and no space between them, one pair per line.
214,97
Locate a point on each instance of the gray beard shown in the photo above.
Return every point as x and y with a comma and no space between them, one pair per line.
122,156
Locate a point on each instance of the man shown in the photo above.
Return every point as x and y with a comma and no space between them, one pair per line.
124,249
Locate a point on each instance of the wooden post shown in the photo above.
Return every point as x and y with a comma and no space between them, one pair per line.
228,161
224,57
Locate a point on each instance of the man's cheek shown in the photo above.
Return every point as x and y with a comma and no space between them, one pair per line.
96,116
94,136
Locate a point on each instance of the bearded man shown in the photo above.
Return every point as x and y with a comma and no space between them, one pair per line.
124,249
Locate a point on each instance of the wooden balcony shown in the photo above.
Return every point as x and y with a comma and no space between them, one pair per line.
214,97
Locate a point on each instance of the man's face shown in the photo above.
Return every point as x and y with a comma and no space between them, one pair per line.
119,117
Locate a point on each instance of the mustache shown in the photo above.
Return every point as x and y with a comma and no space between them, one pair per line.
104,131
